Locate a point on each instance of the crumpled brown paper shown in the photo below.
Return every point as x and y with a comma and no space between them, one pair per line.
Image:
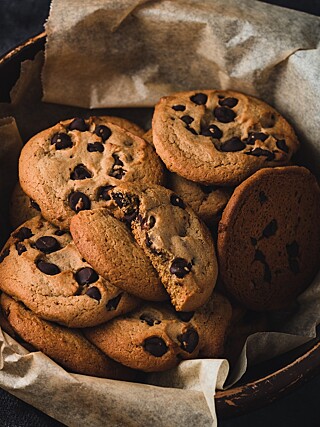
130,53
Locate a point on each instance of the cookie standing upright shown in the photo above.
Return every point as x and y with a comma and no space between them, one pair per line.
269,237
219,137
72,166
41,267
175,240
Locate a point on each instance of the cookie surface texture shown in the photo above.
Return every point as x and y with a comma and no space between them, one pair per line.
72,166
108,245
41,267
269,237
68,347
220,137
156,337
176,241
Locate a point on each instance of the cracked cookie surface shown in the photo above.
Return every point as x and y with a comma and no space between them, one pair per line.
217,137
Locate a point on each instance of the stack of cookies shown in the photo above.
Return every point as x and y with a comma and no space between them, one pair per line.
112,264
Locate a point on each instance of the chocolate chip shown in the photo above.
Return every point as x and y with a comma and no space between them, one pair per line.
267,273
147,223
270,229
294,265
180,267
228,102
48,268
94,293
256,136
211,130
20,248
23,233
80,172
103,131
268,120
292,249
95,146
187,120
208,189
79,201
103,192
177,201
35,205
233,144
78,124
4,254
199,98
86,275
262,197
113,303
155,346
47,244
149,320
178,107
224,114
281,144
185,316
60,232
191,130
117,171
151,221
189,340
254,241
258,152
61,141
259,256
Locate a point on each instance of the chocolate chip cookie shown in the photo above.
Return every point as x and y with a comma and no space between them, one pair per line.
22,208
72,166
68,347
217,137
177,243
155,337
269,237
41,267
108,245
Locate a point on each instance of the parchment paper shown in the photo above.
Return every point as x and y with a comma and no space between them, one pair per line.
106,55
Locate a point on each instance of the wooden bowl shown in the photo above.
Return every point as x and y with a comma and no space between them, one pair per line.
262,384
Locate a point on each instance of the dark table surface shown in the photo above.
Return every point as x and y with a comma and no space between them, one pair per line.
19,20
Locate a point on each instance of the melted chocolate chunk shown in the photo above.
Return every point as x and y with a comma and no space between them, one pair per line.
185,316
48,268
191,130
258,152
259,256
177,201
113,303
256,136
292,249
94,293
211,130
294,265
147,223
86,275
228,102
103,192
103,131
60,232
94,147
61,141
80,172
270,229
149,320
79,201
267,273
224,114
187,119
78,124
254,241
35,205
199,98
117,170
189,340
155,346
4,254
233,144
20,248
262,197
281,144
23,233
47,244
178,107
180,267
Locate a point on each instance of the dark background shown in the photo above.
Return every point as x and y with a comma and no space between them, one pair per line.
21,19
